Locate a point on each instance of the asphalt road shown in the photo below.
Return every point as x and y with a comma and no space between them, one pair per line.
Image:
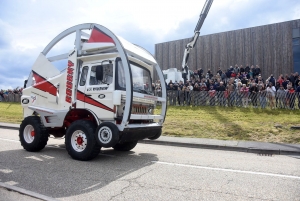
148,172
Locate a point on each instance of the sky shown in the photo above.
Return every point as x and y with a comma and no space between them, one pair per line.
27,26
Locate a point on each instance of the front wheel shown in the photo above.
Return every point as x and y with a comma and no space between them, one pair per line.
33,134
81,142
156,136
126,146
107,134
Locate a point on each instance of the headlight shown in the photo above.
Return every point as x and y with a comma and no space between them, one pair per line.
150,111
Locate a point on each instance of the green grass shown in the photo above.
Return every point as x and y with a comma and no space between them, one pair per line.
11,112
232,123
211,122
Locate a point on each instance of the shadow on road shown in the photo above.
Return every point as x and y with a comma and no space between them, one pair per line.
54,173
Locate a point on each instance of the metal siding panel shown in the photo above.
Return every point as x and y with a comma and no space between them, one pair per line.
247,47
239,47
223,52
289,41
172,52
165,55
178,59
215,49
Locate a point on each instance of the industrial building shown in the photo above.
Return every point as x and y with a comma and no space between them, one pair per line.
274,47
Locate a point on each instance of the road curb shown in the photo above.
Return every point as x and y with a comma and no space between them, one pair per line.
26,192
9,127
225,148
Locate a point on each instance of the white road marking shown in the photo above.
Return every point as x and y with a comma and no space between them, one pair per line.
34,158
9,140
228,170
6,171
53,146
92,186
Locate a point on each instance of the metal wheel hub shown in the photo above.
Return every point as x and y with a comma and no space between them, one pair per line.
28,133
105,135
78,140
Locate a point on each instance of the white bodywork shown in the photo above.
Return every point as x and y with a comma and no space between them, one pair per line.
175,75
53,94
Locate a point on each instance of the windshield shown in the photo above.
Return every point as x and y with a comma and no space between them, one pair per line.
141,78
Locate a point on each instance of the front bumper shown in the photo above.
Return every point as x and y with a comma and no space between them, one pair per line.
134,132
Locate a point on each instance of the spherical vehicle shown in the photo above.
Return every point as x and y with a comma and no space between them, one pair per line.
107,134
32,133
80,140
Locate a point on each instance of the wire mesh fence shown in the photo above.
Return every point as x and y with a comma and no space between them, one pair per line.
10,98
280,99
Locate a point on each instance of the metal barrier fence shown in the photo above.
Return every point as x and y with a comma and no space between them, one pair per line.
11,98
281,99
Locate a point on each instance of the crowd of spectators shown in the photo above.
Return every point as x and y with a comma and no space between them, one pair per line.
9,95
237,86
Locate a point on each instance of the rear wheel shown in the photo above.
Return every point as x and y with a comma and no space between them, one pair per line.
81,142
33,134
126,146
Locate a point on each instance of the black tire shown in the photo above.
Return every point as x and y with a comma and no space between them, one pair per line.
85,149
107,134
36,141
156,136
126,146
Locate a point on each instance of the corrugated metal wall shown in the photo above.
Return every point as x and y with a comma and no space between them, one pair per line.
269,46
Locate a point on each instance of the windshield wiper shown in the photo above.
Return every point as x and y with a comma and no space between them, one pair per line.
142,91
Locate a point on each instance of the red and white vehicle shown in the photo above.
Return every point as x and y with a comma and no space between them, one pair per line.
103,98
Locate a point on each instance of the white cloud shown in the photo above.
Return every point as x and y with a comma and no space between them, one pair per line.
27,26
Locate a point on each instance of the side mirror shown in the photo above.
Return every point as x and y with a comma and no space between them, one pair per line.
99,72
25,83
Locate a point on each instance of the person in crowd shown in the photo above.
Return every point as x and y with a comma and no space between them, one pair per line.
238,94
292,80
271,94
231,93
242,70
236,69
195,97
158,90
280,80
297,81
290,97
253,94
262,93
280,96
250,74
181,93
187,95
247,69
1,95
212,95
285,82
257,70
277,86
245,95
221,96
272,79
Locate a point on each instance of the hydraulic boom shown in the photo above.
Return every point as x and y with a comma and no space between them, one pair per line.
193,41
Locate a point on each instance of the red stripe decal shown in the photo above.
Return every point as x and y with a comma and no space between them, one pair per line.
42,84
81,96
98,36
